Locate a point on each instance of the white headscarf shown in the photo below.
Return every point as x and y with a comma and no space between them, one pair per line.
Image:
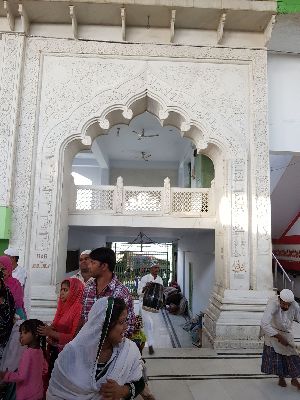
73,376
287,295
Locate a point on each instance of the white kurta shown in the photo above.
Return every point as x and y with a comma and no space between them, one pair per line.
275,321
146,279
146,315
79,276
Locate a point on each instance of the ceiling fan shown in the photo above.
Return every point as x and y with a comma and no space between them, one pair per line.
145,156
142,134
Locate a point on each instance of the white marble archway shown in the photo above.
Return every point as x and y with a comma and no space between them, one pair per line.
92,118
216,96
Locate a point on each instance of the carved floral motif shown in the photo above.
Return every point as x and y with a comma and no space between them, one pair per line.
82,91
11,65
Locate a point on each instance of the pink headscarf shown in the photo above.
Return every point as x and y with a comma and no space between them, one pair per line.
12,283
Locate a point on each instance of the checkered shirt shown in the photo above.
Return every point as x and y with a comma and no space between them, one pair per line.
114,289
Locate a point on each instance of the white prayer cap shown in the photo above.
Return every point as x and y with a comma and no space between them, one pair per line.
12,252
153,263
287,295
86,252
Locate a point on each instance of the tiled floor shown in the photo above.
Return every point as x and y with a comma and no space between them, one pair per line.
189,373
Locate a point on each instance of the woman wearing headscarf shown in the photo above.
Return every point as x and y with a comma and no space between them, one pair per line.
100,363
7,313
67,316
14,286
63,328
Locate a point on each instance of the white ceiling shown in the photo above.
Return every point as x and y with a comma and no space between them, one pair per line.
123,147
278,165
159,235
285,198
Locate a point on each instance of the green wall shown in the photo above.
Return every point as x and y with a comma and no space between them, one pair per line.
288,6
5,222
204,171
3,245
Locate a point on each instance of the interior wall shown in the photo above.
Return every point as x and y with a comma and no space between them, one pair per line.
284,99
84,239
143,177
204,171
199,251
93,173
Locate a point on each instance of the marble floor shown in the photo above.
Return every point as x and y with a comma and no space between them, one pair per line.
179,371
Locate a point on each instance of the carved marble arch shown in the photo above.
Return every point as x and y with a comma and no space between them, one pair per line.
115,106
198,131
119,114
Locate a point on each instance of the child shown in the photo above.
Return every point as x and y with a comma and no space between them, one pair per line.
32,365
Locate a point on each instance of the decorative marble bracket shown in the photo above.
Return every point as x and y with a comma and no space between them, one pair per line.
127,113
123,19
86,141
220,30
269,29
172,26
103,123
9,15
74,21
24,19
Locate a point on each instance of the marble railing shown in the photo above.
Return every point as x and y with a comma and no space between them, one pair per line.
135,200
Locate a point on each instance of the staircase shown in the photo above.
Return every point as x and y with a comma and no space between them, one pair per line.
204,374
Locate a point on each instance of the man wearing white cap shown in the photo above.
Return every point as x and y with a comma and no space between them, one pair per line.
84,271
280,356
18,271
147,316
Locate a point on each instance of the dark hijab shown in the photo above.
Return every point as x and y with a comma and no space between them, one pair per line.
7,312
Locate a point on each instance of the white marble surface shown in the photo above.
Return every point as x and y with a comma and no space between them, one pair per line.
211,381
205,374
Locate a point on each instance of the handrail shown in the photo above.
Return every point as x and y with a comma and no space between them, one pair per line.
284,273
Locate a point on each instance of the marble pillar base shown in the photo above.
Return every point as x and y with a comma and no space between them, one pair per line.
232,320
43,303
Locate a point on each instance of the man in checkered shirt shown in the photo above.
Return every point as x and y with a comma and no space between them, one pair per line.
104,283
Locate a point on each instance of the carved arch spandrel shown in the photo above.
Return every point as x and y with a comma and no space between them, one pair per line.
38,48
78,127
146,92
194,115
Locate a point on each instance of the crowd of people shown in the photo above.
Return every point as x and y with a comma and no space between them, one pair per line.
86,352
93,347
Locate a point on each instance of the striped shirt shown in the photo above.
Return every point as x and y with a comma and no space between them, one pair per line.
114,289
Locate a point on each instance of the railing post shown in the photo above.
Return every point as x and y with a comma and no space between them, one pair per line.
275,273
167,196
72,203
119,195
211,198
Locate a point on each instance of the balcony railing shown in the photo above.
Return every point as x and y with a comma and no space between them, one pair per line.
135,200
